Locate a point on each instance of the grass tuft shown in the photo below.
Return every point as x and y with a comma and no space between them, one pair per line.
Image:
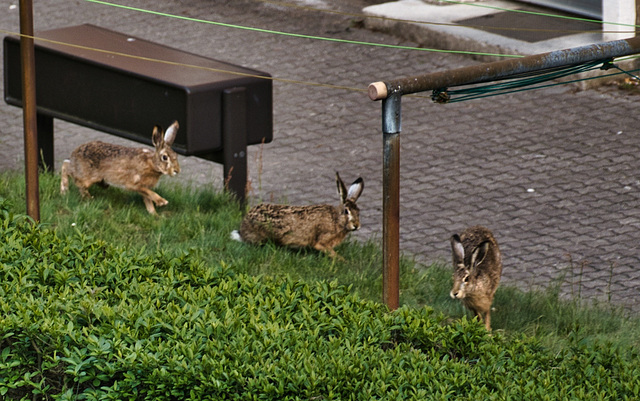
198,220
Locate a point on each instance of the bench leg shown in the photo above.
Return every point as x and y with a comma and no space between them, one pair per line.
234,141
45,142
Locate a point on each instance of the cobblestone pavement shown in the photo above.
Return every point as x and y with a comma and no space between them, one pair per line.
553,172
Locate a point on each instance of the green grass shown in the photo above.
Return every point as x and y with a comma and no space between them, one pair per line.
198,220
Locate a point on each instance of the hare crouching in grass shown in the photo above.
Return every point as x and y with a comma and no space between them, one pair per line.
477,267
134,169
321,227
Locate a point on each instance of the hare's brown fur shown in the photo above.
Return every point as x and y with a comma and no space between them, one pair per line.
477,264
321,227
134,169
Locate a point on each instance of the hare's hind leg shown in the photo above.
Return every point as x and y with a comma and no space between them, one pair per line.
253,233
64,176
83,187
65,172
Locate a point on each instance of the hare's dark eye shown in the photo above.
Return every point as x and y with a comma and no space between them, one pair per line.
466,279
346,211
165,158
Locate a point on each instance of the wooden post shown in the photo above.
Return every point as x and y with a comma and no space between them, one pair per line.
27,55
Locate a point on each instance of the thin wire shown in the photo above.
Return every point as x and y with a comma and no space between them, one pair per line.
625,72
299,82
284,80
298,35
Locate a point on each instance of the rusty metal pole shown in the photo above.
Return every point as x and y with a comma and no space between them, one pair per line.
391,93
505,69
391,127
27,55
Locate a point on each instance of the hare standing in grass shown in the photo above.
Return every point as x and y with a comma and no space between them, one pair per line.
477,267
135,169
321,227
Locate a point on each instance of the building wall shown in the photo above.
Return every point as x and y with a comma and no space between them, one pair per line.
620,12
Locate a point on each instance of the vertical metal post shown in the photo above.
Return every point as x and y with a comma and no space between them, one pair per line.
234,141
27,55
391,119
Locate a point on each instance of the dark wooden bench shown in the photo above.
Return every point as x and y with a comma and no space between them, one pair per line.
121,89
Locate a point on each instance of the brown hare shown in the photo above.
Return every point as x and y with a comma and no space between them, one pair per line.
477,267
134,169
321,227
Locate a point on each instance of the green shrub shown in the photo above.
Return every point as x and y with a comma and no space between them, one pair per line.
84,320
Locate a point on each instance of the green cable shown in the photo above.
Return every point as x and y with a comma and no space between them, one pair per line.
546,86
445,96
297,35
441,95
509,87
629,73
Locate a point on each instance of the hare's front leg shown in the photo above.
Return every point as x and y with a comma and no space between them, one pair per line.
487,320
328,250
148,203
160,201
322,248
328,241
157,199
150,198
483,316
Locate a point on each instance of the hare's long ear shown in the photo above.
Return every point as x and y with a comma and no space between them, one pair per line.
479,253
171,133
457,250
156,138
355,189
342,189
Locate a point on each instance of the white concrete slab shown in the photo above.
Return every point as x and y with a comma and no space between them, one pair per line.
434,25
